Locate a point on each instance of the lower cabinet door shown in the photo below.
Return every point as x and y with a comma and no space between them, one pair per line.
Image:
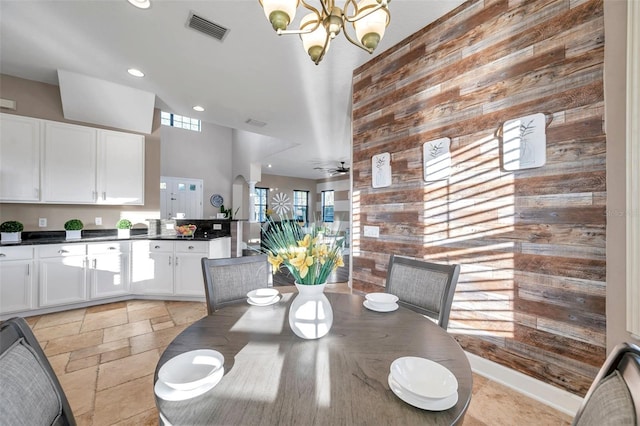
16,284
63,280
152,273
188,270
109,275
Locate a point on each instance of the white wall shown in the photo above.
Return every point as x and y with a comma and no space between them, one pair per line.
205,155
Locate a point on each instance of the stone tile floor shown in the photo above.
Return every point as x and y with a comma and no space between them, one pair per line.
105,357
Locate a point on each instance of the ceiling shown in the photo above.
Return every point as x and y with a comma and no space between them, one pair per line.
251,74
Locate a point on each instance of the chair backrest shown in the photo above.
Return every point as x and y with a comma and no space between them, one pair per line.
229,280
30,392
424,287
614,395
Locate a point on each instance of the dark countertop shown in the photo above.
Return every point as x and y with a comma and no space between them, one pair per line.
90,236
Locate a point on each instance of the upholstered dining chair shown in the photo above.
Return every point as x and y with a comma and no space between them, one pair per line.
30,393
229,280
614,395
424,287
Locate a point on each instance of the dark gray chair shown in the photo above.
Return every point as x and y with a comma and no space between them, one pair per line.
614,395
30,393
229,280
424,287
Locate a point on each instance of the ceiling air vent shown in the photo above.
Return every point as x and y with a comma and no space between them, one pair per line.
256,123
207,27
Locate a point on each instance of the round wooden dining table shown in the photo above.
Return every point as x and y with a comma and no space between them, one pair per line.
273,377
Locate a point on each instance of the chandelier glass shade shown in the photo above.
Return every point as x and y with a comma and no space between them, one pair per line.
369,18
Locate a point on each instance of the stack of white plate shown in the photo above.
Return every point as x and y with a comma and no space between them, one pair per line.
189,374
381,302
423,383
263,296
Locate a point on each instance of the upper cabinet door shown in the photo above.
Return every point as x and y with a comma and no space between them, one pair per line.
120,170
20,139
69,163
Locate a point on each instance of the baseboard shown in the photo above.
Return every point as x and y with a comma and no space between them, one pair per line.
552,396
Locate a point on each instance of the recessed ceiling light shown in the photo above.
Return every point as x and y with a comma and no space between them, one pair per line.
135,72
141,4
198,108
269,165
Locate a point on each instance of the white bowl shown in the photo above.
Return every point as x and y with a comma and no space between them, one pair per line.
381,298
263,296
191,369
423,377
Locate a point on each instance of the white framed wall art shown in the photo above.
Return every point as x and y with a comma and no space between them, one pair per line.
381,170
524,142
437,159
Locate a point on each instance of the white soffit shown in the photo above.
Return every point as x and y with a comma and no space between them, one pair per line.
96,101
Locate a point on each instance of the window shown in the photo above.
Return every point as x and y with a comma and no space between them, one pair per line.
327,206
262,195
174,120
301,205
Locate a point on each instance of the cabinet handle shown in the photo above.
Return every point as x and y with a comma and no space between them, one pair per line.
95,264
3,255
177,260
169,260
28,269
104,195
156,247
37,191
112,248
191,247
62,251
94,195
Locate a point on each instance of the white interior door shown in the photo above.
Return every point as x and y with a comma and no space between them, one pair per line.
180,198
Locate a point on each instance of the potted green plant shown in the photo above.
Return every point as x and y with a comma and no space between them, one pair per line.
124,228
74,229
11,231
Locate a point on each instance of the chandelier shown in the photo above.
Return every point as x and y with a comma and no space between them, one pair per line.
369,19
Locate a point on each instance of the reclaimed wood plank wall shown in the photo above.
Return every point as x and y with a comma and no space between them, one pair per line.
531,295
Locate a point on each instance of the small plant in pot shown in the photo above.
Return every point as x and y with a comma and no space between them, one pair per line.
74,229
124,228
11,231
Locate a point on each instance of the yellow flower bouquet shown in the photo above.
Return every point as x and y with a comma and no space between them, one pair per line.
306,254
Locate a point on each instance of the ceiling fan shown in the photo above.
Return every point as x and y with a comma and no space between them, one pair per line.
340,170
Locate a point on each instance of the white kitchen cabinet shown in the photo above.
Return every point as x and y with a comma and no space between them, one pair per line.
63,274
188,267
69,163
83,165
152,267
109,268
161,267
20,142
16,279
120,172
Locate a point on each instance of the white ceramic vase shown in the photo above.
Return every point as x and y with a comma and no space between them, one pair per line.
310,313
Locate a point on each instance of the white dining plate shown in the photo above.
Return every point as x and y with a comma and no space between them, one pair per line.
191,370
270,302
423,377
168,393
377,308
381,298
422,403
382,306
262,296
